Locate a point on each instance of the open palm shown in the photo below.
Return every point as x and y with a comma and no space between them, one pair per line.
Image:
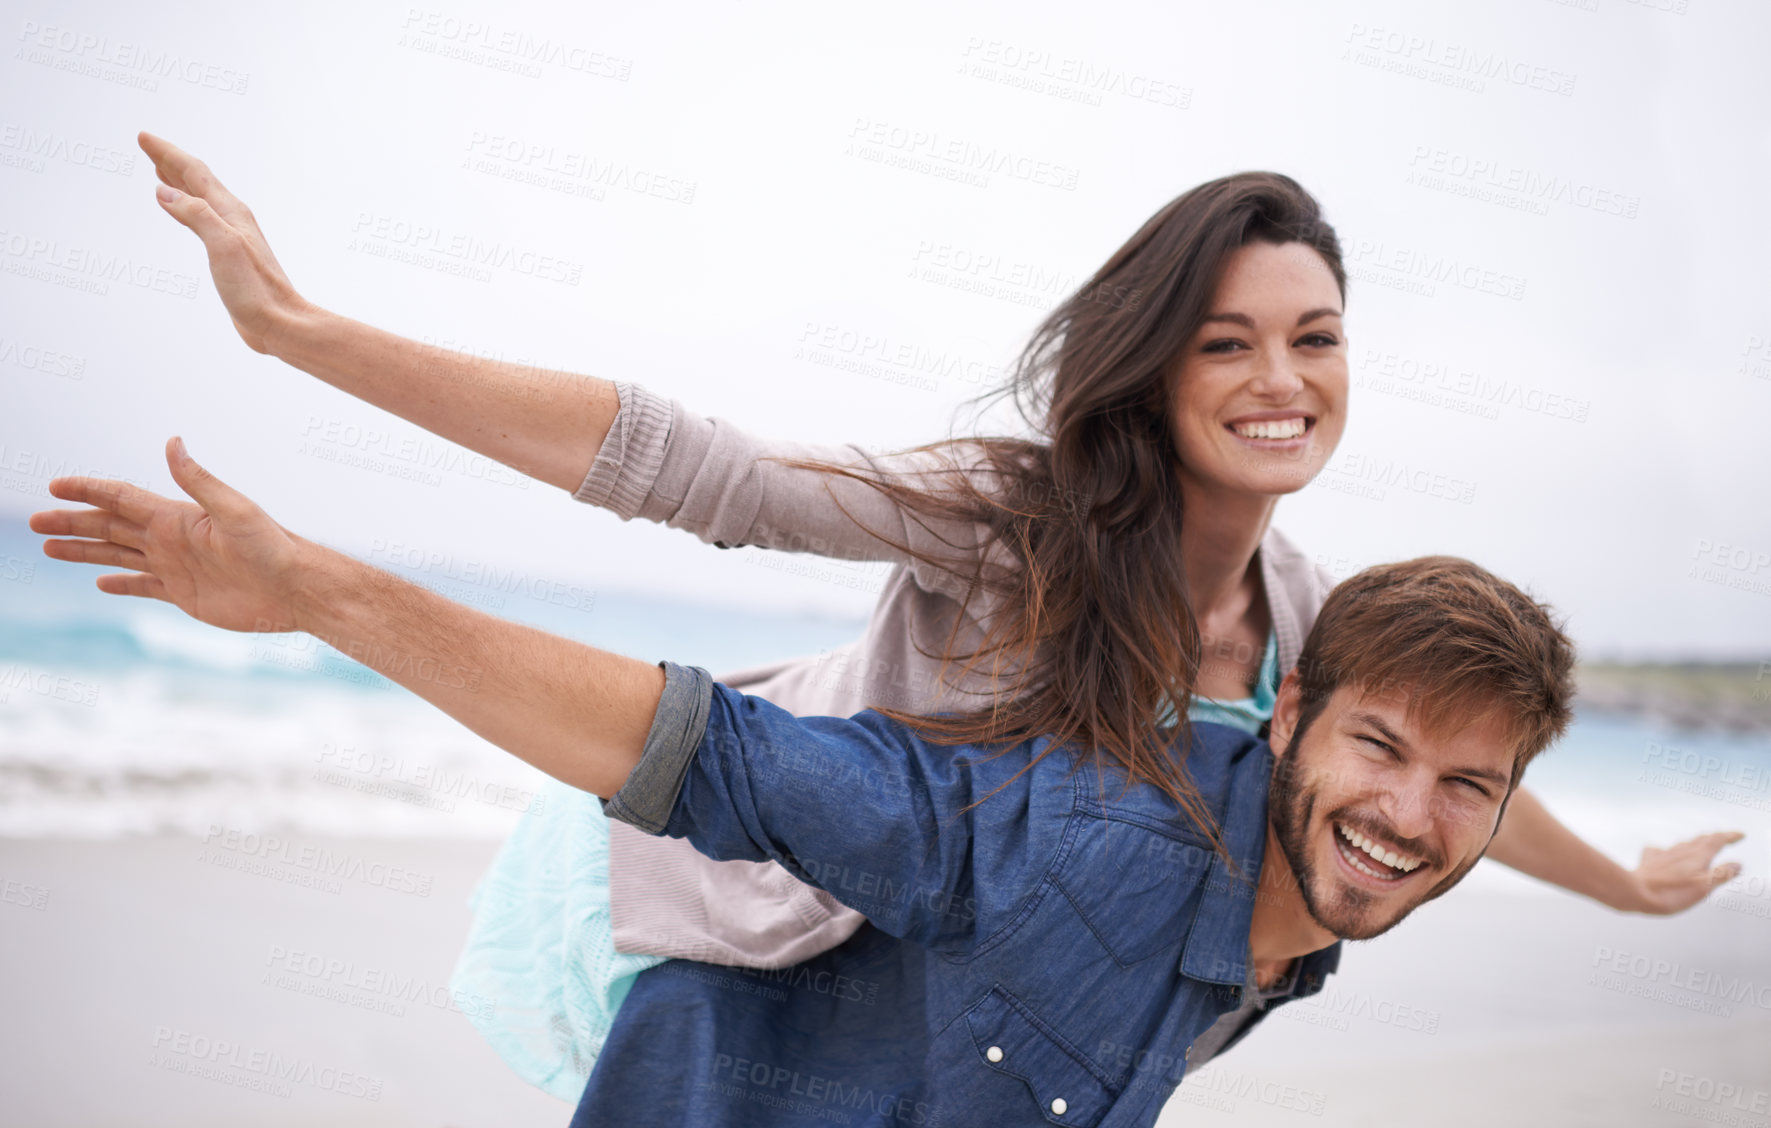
1677,877
222,561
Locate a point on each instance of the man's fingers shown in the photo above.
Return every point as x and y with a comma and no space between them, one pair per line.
95,524
218,498
96,552
1722,875
133,583
129,502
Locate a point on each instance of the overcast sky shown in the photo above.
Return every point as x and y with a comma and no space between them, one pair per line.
1554,215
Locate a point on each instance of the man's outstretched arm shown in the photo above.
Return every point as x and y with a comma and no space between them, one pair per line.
578,713
739,777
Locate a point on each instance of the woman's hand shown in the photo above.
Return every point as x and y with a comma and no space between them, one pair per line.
222,561
1678,877
257,293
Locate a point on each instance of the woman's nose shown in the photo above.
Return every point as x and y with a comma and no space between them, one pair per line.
1278,378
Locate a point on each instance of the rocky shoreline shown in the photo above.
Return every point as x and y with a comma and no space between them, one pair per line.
1735,697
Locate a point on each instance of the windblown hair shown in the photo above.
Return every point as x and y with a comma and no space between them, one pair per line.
1094,642
1448,640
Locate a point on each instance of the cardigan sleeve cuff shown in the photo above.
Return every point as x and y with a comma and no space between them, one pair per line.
621,477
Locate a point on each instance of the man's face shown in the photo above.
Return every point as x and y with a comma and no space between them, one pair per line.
1363,780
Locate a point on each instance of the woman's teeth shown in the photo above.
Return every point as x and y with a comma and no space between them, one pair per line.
1389,858
1271,429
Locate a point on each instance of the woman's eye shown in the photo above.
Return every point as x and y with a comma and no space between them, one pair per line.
1320,340
1224,345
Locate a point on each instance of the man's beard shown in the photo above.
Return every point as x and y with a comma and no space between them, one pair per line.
1343,908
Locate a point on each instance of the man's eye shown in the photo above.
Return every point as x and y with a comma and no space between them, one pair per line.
1378,744
1472,785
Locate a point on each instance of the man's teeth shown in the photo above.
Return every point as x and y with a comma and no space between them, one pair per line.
1387,857
1271,429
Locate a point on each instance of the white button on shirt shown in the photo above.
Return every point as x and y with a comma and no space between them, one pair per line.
994,1053
1059,1107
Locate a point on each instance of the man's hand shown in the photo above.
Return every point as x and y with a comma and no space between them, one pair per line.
578,713
1678,877
222,561
257,293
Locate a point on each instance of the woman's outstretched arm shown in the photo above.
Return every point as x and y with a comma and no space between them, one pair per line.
1532,841
617,446
543,423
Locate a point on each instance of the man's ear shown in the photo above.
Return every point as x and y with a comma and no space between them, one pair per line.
1285,714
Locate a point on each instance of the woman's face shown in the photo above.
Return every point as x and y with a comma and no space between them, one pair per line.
1260,392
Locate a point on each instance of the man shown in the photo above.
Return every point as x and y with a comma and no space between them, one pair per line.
1044,941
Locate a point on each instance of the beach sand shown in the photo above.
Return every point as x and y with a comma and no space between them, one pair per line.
128,963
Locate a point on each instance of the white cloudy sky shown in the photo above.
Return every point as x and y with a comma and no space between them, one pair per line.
1599,422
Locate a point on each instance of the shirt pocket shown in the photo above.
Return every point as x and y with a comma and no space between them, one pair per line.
1063,1085
1136,888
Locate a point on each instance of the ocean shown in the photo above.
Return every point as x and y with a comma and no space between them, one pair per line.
122,716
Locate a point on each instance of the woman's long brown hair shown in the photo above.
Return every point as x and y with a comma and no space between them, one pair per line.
1094,638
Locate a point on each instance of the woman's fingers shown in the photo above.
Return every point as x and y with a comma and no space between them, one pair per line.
133,583
94,524
132,503
189,175
96,552
195,213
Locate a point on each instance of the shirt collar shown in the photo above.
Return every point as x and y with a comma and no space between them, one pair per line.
1216,950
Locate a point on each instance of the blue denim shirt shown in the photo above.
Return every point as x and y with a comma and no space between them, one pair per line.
1045,956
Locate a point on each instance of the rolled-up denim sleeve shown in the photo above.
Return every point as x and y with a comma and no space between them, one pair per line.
862,807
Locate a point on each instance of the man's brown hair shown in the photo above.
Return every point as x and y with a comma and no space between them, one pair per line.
1450,639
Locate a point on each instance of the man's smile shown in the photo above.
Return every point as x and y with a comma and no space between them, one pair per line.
1371,863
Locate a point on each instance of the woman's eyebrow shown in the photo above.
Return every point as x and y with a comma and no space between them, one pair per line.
1247,322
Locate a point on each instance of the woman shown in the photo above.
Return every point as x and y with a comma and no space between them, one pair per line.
1201,372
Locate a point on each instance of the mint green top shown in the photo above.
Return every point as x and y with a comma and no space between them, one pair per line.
1245,713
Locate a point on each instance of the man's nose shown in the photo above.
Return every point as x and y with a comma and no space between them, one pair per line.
1408,805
